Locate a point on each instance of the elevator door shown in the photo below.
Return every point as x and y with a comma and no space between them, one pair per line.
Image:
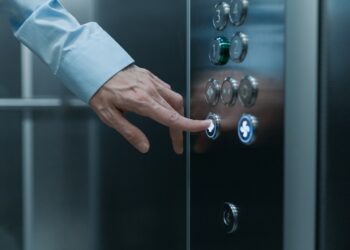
236,79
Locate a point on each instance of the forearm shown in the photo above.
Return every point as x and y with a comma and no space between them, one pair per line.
84,57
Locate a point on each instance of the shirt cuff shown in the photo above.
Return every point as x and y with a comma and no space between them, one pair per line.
88,66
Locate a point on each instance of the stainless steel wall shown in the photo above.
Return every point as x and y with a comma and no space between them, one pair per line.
224,170
143,196
334,113
10,144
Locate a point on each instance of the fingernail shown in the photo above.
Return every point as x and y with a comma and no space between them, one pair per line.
179,150
143,147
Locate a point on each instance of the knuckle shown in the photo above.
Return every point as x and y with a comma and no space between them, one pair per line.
174,117
179,101
141,99
108,116
145,71
151,89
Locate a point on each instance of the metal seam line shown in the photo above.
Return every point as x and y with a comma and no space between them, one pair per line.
301,125
34,103
93,179
27,149
188,137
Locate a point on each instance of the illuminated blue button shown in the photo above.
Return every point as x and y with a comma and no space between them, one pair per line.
213,131
246,129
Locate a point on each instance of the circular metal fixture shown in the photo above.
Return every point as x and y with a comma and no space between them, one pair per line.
246,129
238,47
238,11
213,131
221,15
230,217
229,91
248,91
219,51
212,92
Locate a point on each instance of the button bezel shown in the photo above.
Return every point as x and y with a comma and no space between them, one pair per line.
221,16
242,15
234,87
219,53
252,124
216,87
252,84
243,41
231,210
217,124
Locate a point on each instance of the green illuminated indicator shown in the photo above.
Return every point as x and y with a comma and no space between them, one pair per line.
220,51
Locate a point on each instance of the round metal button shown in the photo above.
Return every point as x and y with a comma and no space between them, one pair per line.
248,91
239,47
229,91
221,15
213,131
230,217
238,11
219,51
246,129
212,92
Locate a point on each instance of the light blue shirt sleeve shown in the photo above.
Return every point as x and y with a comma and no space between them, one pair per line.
84,57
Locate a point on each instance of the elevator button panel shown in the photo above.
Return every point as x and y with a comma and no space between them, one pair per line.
221,15
220,51
229,91
213,131
230,217
246,129
212,92
248,91
238,47
238,11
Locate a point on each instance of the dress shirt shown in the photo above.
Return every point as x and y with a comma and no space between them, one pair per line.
84,57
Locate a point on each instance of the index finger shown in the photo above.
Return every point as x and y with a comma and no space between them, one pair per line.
172,119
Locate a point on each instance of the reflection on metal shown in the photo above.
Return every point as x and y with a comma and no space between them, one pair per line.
230,217
188,136
94,177
40,103
224,169
301,124
27,150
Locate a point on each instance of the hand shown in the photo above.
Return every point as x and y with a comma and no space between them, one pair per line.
137,90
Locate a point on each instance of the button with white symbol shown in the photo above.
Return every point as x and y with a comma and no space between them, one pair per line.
213,131
246,129
219,51
238,11
239,47
248,91
212,92
229,91
221,15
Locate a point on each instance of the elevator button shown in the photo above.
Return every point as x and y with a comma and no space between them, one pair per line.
219,51
246,129
238,11
229,91
221,15
213,131
230,217
212,92
248,91
239,47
